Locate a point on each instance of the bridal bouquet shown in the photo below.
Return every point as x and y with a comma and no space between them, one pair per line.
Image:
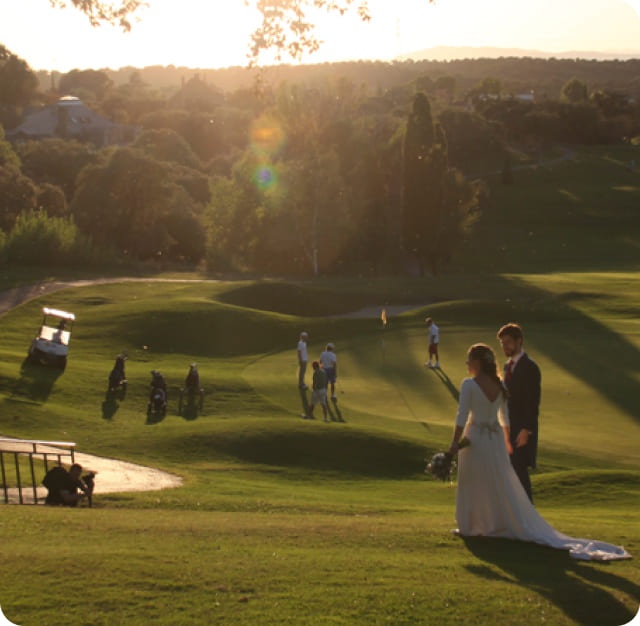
442,464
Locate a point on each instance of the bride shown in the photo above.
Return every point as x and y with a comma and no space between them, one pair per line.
490,501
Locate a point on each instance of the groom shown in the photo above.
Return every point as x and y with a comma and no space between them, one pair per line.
522,379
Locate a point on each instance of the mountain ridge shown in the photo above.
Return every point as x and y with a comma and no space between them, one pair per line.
451,53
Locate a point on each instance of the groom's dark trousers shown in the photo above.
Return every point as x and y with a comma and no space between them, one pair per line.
524,404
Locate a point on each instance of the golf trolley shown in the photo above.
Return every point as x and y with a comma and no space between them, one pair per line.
157,405
192,395
191,401
117,377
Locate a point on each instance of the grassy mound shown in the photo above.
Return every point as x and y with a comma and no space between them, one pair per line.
278,515
316,447
293,299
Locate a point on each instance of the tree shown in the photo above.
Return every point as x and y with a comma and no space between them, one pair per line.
439,204
580,123
286,27
101,12
370,167
18,87
167,145
55,161
17,194
210,135
127,103
37,239
446,84
51,199
470,139
575,91
18,84
419,198
76,82
196,95
7,154
489,87
507,172
129,201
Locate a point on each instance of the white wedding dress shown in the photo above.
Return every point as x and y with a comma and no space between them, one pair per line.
490,501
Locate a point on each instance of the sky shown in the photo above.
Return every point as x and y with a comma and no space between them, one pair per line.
215,33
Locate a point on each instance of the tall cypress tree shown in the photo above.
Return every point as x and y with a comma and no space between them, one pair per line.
418,141
438,202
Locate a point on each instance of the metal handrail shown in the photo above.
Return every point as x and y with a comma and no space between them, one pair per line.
30,448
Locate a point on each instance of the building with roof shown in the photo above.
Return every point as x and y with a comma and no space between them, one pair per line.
69,118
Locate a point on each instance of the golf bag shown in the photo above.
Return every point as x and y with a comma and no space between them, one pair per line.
117,377
158,398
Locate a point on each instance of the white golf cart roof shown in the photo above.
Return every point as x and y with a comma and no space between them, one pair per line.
58,313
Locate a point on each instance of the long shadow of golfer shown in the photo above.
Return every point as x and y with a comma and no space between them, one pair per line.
110,406
304,400
446,381
555,325
576,588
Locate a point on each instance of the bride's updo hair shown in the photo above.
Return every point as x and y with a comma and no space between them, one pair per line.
486,357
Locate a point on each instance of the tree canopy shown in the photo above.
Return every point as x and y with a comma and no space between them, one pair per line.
286,27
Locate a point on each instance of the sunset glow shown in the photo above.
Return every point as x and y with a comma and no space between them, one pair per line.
197,33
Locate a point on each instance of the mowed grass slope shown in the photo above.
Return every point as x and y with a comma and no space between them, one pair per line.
277,513
282,520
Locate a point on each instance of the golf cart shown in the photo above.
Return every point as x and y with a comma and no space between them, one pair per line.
51,346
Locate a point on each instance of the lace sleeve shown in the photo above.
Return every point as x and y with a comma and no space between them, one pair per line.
464,405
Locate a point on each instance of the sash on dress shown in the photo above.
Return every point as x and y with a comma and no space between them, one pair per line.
488,427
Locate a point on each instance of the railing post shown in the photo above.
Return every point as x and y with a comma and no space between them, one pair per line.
33,479
4,479
34,450
18,479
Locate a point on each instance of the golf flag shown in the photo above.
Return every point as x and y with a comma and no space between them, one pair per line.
383,317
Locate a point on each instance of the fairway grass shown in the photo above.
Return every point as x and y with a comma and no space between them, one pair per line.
166,567
282,520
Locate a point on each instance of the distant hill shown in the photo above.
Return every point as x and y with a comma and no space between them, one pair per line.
519,70
449,53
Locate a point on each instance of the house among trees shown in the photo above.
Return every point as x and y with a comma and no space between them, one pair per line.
69,118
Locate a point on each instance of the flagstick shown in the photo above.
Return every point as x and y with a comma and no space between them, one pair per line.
383,317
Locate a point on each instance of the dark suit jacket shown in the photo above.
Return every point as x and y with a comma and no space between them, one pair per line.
524,403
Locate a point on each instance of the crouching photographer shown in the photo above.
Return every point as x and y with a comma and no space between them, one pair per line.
67,488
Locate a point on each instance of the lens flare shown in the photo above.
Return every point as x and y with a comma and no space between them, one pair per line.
265,177
267,139
267,136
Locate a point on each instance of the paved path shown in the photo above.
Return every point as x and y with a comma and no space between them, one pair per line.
18,295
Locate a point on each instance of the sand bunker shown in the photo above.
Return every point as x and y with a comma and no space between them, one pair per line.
112,476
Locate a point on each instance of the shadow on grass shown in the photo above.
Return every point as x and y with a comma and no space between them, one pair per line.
335,413
35,382
110,406
577,588
446,381
304,400
190,412
611,372
313,446
602,359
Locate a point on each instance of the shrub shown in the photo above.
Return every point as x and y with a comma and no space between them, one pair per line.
38,239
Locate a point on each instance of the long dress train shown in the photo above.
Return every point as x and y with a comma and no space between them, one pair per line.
490,501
